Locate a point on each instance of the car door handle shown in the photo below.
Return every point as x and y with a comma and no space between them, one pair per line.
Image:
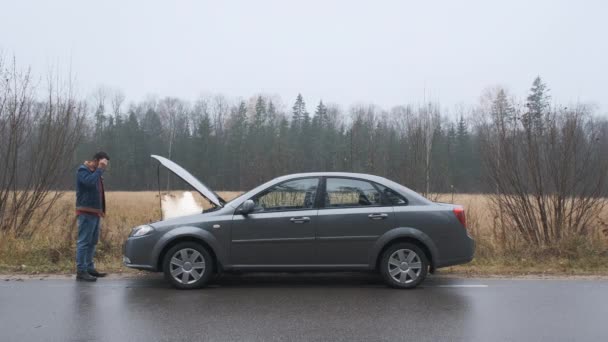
378,216
303,219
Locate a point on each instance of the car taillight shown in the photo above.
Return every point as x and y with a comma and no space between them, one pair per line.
459,212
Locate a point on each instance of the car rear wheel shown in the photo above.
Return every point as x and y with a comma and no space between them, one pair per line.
403,266
188,265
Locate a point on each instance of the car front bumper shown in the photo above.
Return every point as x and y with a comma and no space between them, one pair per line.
137,253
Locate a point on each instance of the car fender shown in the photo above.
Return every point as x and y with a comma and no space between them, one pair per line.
191,232
398,233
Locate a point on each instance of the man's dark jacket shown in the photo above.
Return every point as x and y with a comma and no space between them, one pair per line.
89,191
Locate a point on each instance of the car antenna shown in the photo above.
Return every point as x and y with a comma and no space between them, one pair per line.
160,199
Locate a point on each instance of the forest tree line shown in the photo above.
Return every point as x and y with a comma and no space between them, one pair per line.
237,144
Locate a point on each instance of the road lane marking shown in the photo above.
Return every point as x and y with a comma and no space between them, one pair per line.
459,285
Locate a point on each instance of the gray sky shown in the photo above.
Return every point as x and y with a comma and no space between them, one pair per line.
384,52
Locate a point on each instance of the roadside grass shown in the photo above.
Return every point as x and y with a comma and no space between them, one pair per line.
51,249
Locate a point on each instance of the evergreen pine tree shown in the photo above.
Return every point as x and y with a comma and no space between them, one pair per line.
259,118
320,119
537,103
299,112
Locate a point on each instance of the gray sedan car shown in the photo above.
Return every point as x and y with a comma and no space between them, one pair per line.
323,221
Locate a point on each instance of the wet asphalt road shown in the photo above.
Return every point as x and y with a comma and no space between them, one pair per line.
333,307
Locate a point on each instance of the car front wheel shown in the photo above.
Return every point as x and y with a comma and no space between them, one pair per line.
188,265
404,266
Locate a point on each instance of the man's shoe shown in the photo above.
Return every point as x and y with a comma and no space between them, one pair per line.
94,273
85,276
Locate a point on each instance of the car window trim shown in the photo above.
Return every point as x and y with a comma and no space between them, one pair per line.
320,199
280,211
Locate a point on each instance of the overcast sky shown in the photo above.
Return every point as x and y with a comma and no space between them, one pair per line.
383,52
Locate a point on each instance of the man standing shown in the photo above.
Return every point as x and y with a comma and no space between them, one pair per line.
90,208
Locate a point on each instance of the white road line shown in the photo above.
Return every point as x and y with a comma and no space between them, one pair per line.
459,285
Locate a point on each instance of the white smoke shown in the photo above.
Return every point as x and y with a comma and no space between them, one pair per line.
175,206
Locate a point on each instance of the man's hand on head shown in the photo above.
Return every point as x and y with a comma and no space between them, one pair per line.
103,163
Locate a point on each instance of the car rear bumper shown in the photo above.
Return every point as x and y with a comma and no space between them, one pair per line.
466,255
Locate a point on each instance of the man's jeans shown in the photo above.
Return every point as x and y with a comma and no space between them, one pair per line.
88,235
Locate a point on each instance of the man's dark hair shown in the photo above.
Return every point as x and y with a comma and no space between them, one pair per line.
101,155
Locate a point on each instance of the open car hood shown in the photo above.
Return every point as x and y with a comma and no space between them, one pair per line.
190,179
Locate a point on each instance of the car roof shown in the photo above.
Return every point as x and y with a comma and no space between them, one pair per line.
412,196
332,174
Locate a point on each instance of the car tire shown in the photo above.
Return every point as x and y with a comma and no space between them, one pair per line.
404,266
188,265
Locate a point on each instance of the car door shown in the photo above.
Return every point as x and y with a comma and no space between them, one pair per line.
281,230
351,218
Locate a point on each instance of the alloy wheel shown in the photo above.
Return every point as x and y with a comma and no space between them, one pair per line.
404,266
187,266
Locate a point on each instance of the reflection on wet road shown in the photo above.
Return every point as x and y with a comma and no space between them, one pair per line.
333,307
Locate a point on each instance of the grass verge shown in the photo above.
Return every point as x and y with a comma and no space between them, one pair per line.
51,249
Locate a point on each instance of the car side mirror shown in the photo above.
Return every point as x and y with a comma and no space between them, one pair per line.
247,207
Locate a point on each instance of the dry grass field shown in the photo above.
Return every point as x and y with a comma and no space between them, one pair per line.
52,247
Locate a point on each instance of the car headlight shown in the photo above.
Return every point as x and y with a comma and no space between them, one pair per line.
142,230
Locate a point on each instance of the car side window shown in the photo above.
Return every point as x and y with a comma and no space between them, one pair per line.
391,196
292,195
345,192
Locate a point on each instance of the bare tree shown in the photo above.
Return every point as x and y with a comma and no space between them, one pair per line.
99,97
539,161
37,136
219,109
429,118
118,98
419,128
171,109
